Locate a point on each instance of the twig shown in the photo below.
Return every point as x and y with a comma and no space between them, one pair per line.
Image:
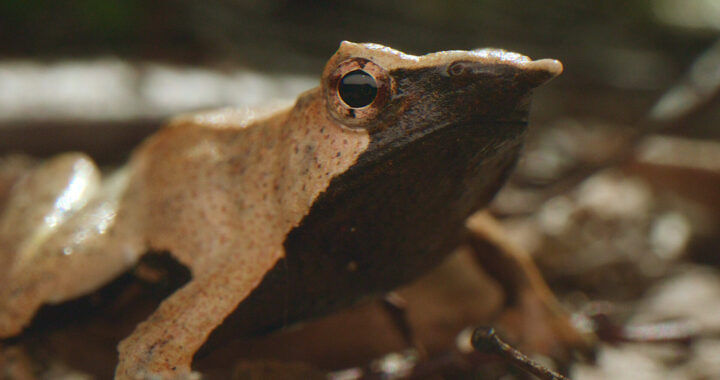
485,340
406,365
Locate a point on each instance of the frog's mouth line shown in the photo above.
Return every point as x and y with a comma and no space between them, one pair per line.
382,144
498,132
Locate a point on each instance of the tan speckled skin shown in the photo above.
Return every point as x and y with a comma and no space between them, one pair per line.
223,191
222,199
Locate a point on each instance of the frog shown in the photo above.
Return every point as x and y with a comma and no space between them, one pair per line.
280,213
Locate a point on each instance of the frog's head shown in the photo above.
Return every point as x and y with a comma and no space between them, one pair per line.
414,145
395,152
398,98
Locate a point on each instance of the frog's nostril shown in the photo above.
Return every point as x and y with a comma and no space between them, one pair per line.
472,70
457,68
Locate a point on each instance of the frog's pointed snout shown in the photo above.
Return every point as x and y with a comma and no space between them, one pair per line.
541,71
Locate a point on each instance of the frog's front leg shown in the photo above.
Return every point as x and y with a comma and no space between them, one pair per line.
535,316
163,346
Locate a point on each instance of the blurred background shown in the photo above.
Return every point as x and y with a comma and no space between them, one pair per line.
123,61
618,193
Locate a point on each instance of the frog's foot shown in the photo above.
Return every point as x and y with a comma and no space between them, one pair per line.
140,373
537,326
145,366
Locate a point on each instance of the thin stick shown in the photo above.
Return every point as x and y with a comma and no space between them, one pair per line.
485,340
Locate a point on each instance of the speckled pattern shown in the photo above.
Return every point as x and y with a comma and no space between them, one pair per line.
222,190
225,215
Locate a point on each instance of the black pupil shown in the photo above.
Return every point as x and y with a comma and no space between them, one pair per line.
358,89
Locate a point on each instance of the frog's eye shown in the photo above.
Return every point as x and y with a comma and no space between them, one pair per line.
357,89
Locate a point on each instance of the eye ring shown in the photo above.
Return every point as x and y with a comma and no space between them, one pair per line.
357,90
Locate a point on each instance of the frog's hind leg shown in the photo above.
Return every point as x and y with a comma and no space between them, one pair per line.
533,316
61,236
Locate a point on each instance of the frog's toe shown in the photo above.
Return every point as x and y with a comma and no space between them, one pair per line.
145,374
538,327
189,375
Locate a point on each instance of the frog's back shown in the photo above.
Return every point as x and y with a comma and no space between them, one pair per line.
232,117
201,173
65,231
